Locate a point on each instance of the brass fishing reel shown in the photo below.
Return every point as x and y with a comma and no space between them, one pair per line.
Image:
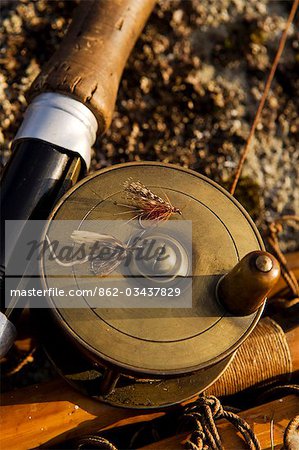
156,352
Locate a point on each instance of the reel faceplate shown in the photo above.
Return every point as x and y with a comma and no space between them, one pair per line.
152,357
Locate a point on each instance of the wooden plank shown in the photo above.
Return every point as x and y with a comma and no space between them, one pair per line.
54,412
259,418
51,413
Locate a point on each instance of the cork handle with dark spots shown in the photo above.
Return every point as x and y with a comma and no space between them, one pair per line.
90,61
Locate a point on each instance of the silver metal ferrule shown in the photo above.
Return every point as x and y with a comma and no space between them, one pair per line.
7,334
62,121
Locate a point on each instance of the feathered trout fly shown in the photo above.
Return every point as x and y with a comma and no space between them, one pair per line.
106,252
147,205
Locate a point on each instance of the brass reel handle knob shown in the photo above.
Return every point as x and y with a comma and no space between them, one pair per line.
244,289
89,63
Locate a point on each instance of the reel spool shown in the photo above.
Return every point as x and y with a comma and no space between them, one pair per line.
143,357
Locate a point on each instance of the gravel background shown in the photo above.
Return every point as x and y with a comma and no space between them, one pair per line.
188,94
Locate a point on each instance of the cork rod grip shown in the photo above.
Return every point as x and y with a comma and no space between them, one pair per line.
90,61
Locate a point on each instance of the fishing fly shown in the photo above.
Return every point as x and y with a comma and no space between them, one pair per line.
106,252
147,205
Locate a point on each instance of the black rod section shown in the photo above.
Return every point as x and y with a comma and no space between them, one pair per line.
37,174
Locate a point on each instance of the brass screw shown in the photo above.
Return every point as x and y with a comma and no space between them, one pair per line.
264,263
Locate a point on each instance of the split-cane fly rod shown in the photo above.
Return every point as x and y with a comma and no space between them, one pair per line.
71,102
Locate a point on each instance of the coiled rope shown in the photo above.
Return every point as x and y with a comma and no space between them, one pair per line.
291,435
92,441
205,435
